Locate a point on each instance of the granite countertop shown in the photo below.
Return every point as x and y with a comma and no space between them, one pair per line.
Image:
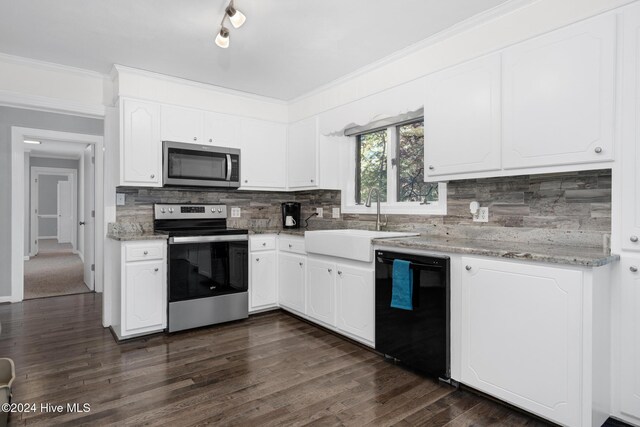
290,232
555,254
135,235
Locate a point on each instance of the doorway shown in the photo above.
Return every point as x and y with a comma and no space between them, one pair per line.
60,231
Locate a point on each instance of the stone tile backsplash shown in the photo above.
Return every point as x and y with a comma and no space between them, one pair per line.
565,208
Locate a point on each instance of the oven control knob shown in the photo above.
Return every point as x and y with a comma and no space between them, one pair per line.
170,210
219,210
213,210
162,210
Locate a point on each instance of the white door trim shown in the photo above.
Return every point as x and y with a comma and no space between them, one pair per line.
18,134
72,175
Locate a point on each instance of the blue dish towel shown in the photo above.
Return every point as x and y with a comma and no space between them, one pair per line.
402,285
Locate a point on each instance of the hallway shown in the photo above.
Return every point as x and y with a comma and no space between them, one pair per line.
55,271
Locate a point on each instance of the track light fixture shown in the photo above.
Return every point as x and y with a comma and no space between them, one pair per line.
236,18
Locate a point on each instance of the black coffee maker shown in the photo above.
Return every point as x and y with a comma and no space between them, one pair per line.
291,215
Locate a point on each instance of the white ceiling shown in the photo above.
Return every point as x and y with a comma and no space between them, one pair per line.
285,49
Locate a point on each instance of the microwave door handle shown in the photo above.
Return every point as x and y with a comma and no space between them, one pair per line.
228,167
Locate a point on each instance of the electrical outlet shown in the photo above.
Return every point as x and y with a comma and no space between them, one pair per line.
482,215
235,212
336,213
119,199
319,211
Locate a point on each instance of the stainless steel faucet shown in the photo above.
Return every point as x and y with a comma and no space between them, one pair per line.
368,204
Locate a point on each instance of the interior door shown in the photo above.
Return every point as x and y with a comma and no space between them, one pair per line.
65,213
89,222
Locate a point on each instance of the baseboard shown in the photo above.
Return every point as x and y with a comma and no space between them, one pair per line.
26,258
5,300
80,254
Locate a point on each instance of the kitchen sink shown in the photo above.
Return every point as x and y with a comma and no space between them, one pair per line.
347,243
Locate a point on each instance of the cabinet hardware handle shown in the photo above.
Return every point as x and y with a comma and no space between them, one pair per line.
146,252
598,150
340,272
257,259
634,239
155,269
246,180
152,176
431,167
210,139
300,264
195,138
264,243
311,180
633,269
329,270
468,267
290,245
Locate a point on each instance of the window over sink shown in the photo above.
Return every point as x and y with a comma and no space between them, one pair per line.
391,158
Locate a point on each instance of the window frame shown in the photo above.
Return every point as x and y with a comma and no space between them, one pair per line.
352,188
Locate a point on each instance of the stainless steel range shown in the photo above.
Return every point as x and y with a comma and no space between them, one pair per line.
208,265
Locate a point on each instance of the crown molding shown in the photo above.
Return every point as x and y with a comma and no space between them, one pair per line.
469,23
50,66
117,69
50,105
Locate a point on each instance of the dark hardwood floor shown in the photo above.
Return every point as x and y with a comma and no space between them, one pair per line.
270,370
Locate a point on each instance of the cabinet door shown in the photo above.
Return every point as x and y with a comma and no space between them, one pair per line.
462,119
631,129
141,146
302,153
559,97
182,124
264,290
222,130
292,281
521,335
144,296
355,302
630,338
263,154
320,291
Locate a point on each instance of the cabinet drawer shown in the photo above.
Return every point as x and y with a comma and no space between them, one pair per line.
295,245
143,251
263,243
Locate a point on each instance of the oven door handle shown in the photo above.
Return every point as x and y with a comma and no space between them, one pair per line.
228,167
205,239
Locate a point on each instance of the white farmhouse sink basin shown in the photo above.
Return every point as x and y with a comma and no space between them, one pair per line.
350,244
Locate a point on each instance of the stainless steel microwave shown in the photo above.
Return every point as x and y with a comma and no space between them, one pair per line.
193,165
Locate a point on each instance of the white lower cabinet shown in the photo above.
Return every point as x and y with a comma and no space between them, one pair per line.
527,337
263,285
292,274
630,338
140,294
321,283
355,302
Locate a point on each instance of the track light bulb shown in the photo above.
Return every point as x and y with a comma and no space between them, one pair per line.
222,39
236,17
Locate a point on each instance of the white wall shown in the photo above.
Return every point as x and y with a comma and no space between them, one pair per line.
435,54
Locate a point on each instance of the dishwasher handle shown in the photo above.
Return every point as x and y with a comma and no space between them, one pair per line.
413,265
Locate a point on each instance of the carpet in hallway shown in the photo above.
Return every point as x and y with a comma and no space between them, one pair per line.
56,270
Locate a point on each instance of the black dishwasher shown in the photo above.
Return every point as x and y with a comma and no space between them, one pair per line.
418,338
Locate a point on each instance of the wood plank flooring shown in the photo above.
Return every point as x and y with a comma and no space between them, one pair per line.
270,370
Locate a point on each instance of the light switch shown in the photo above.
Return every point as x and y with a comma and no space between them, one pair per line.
235,212
119,199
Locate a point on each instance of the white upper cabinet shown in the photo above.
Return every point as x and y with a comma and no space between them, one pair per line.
302,154
631,129
462,119
221,130
559,93
262,163
182,124
141,146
